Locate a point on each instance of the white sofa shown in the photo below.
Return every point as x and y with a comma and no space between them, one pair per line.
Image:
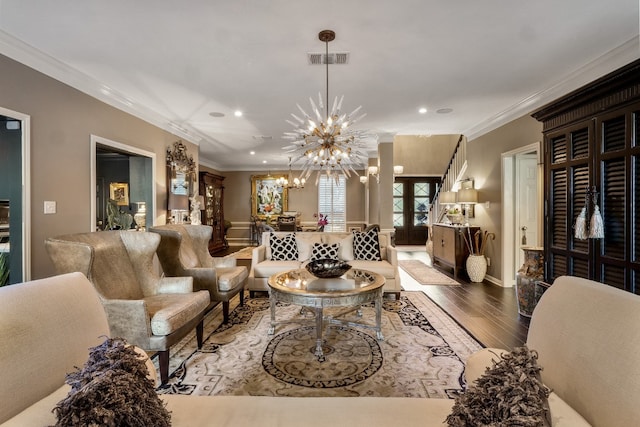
262,266
585,332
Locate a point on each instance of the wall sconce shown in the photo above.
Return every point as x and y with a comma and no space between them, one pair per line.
364,179
373,170
398,169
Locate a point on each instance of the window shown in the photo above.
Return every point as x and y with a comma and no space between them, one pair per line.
332,201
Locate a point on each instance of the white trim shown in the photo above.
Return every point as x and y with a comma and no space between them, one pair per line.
151,213
25,123
610,61
508,208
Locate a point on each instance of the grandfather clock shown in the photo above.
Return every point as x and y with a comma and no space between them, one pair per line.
212,190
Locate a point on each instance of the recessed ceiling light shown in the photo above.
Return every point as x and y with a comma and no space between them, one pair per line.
253,153
422,110
264,161
444,110
216,114
238,113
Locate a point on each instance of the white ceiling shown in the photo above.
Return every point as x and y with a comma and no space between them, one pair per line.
175,62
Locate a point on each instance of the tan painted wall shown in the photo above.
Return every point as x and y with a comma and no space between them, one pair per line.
423,155
485,167
62,122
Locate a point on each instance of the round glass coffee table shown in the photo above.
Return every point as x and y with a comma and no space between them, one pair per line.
351,290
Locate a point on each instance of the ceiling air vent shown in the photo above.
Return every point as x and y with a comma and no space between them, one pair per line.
333,58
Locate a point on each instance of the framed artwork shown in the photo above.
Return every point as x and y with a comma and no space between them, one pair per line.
267,198
119,191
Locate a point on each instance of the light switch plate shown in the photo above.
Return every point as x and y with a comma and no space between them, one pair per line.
49,207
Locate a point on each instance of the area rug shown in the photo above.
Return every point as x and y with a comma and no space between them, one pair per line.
422,355
424,274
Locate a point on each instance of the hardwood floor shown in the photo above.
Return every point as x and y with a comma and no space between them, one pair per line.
489,312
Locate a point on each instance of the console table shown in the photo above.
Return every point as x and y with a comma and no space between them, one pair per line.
449,248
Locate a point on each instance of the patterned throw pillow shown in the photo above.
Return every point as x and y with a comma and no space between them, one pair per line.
283,249
366,246
324,251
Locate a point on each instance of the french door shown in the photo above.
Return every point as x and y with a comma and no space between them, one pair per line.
412,197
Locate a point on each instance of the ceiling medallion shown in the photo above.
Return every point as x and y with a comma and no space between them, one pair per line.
324,141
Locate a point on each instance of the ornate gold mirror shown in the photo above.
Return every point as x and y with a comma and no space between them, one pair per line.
181,179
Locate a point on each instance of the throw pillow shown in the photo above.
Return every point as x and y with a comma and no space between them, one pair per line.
366,246
112,389
324,251
283,249
510,393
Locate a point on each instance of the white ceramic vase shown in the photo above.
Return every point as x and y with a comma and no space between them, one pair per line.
476,268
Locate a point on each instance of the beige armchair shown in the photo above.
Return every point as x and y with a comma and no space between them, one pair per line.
183,251
148,311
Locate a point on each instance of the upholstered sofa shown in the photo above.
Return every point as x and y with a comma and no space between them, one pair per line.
263,264
585,333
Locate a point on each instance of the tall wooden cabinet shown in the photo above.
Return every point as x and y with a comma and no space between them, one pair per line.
212,190
449,248
592,158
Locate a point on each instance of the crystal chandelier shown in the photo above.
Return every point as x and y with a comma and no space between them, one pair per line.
324,141
290,181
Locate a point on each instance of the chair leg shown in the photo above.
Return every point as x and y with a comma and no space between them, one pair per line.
252,294
242,297
163,361
200,333
225,311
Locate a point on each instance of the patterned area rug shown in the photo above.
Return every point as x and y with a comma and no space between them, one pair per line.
422,355
424,274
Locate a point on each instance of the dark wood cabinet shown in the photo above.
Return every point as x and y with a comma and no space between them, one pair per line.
449,248
592,158
212,190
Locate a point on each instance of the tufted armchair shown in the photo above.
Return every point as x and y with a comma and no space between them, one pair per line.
148,311
183,251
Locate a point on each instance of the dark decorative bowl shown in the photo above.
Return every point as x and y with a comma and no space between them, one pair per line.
327,268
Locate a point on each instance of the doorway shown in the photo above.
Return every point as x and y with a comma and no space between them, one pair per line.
522,207
412,198
15,209
129,170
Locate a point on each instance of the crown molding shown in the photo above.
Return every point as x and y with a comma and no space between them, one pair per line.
610,61
28,55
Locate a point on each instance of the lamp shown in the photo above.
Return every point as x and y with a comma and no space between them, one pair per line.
290,181
447,198
468,197
325,142
398,169
178,205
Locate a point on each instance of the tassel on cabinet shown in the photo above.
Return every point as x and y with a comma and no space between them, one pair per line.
596,229
581,225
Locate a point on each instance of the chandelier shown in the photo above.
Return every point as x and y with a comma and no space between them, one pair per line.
323,140
290,181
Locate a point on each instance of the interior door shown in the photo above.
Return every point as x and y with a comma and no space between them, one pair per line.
412,198
526,194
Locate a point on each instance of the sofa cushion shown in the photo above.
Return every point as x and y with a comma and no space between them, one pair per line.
305,243
383,268
283,249
366,246
169,312
345,252
231,277
324,251
269,268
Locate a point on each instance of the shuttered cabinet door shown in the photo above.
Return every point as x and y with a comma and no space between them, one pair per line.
567,158
617,162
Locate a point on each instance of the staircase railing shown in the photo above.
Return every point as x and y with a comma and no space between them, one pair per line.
455,170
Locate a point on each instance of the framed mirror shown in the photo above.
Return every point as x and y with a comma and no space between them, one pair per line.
181,182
